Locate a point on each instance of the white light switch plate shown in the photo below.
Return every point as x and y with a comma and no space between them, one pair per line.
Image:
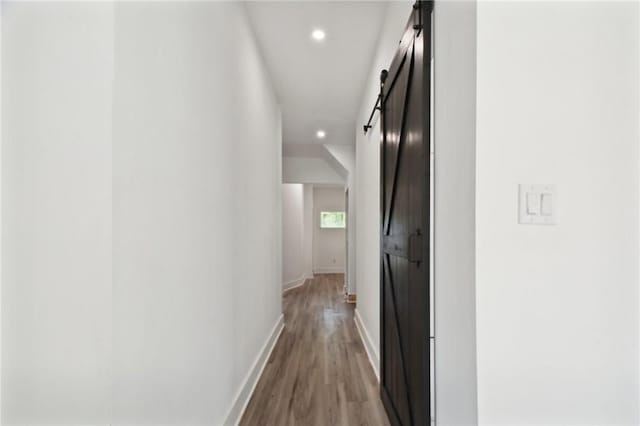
538,204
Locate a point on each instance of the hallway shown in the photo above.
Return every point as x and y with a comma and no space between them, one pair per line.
318,372
191,191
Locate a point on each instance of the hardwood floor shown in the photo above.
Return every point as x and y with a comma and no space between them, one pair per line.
318,373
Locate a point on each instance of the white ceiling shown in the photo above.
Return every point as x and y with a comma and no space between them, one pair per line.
319,84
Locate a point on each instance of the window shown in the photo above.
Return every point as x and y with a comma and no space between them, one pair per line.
332,220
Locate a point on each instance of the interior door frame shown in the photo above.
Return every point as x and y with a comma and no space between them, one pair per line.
347,281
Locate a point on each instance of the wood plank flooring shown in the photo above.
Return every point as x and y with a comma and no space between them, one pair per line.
318,373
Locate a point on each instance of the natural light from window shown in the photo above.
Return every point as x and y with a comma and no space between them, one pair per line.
332,220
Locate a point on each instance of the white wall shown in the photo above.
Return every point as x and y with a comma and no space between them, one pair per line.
454,216
351,252
346,156
257,189
307,239
309,170
1,185
341,157
126,294
197,269
293,235
557,306
329,245
298,233
57,71
367,182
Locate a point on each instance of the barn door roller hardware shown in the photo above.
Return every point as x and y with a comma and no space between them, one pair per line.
417,25
378,105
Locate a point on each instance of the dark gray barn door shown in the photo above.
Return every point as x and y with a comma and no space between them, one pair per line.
405,163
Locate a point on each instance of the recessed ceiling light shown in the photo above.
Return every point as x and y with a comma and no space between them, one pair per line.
320,134
318,35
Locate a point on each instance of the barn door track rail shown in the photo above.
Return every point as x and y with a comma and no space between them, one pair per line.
378,105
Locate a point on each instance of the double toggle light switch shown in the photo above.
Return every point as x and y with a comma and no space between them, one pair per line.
537,204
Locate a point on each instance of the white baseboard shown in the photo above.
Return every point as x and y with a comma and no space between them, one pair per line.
372,352
329,270
294,283
243,396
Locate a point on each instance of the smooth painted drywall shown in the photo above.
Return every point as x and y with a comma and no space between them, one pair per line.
1,273
293,270
307,240
341,158
57,76
345,155
329,245
454,328
309,170
197,260
257,189
138,285
557,306
350,260
367,179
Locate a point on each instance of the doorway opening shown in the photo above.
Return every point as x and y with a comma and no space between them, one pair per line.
314,232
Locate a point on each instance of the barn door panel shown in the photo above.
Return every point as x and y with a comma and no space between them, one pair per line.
405,226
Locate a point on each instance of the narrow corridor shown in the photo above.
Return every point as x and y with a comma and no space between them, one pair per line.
318,372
